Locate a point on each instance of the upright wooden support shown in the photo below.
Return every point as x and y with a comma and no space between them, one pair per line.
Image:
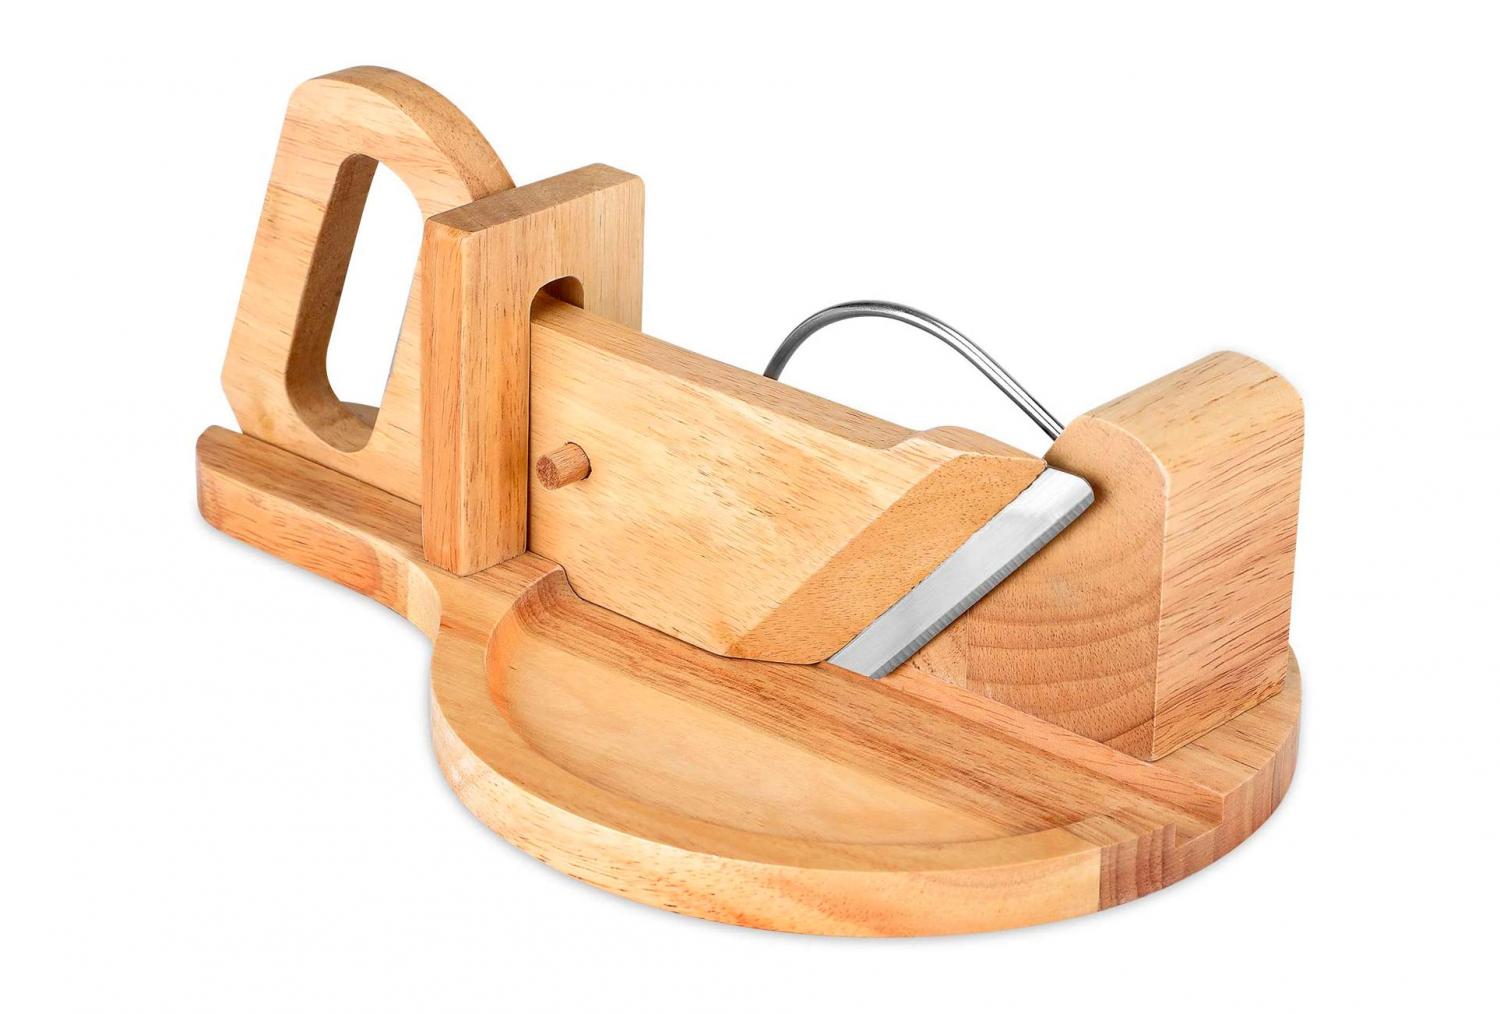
337,128
483,265
1162,612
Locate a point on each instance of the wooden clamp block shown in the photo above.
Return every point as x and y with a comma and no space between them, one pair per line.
1163,611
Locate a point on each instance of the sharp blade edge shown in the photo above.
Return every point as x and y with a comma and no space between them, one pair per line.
1006,541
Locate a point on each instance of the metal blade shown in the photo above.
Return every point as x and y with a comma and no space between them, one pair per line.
1026,524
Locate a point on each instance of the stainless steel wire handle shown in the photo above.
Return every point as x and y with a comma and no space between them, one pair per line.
977,357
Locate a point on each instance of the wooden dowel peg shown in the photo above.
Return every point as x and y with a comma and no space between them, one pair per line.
565,465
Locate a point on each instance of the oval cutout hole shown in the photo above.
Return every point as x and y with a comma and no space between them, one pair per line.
567,289
362,345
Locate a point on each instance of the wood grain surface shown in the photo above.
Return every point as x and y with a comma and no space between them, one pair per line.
739,514
483,265
734,512
799,798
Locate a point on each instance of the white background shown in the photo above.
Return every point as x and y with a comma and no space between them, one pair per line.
218,791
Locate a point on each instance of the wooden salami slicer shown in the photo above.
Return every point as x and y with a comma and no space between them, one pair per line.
639,567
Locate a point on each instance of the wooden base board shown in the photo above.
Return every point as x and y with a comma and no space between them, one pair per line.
800,798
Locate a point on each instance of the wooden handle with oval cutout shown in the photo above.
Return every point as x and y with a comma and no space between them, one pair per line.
337,128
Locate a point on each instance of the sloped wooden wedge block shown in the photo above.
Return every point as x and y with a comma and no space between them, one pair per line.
736,513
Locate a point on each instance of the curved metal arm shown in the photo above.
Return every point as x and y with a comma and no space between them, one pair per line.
976,356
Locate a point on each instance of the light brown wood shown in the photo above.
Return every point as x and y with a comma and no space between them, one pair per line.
799,798
568,464
777,541
483,265
739,514
727,512
1163,611
337,128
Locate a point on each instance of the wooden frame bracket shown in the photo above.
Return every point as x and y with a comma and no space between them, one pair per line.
483,266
